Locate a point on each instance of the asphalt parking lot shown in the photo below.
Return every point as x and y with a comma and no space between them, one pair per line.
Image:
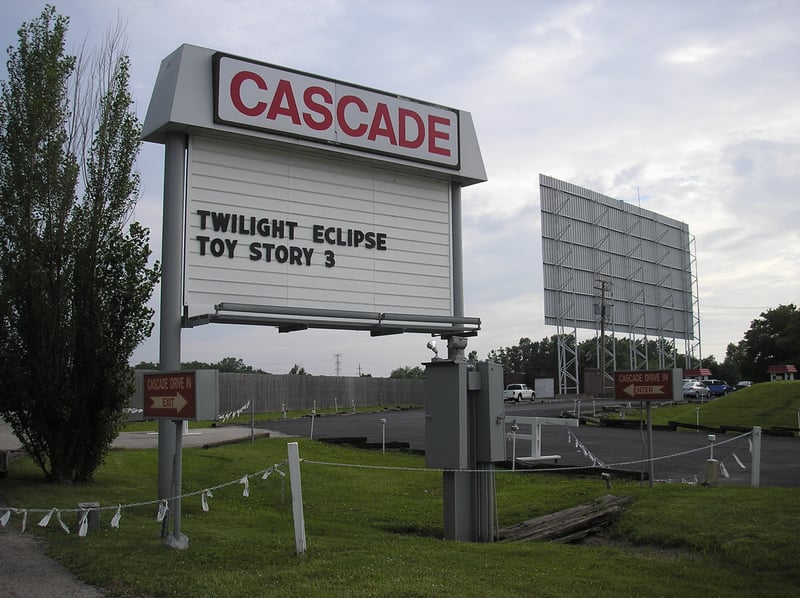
679,456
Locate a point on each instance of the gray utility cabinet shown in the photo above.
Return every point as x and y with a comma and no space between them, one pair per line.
464,414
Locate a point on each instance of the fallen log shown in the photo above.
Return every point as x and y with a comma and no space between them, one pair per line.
569,525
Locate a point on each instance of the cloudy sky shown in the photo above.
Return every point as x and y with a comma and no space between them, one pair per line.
689,107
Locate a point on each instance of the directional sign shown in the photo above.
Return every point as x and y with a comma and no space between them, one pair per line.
170,394
650,385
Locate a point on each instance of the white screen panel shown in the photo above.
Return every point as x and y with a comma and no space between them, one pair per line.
643,256
277,228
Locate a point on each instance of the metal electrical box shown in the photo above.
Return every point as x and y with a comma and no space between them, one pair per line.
485,388
446,430
460,398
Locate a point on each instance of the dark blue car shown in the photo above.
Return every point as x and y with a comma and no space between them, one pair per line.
717,388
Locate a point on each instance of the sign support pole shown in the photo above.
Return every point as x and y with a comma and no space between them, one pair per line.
177,539
460,489
650,467
171,302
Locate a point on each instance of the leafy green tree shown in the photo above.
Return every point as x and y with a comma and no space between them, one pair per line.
773,339
298,370
733,364
408,372
536,359
146,365
227,364
646,358
196,365
234,364
74,282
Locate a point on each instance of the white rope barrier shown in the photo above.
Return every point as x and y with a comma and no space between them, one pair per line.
206,493
232,414
163,504
547,470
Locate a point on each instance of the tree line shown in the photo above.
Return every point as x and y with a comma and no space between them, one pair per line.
772,339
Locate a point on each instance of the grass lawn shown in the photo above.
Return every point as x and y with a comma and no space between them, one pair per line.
768,404
377,531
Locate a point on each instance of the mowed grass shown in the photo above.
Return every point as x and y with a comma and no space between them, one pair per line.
376,530
768,405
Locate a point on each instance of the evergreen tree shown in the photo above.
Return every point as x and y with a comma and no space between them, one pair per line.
74,280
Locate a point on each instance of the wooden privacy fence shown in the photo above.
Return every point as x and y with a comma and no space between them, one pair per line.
273,392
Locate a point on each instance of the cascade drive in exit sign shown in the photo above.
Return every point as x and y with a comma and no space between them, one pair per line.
187,394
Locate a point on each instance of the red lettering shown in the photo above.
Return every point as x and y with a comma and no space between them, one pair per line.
382,125
316,108
236,95
363,121
434,134
284,93
340,116
630,377
403,115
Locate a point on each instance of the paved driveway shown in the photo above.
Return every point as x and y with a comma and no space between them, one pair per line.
679,455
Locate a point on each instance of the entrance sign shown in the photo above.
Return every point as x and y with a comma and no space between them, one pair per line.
182,395
645,385
260,96
648,386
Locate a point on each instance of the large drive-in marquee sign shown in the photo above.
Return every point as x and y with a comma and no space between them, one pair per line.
313,202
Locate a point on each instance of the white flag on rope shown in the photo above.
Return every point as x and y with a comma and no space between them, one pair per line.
117,516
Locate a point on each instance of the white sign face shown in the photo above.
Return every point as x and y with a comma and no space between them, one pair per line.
258,96
278,228
645,257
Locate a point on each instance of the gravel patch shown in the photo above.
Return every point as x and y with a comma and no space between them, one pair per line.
27,572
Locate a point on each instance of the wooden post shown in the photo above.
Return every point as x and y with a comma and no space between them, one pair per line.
755,467
297,498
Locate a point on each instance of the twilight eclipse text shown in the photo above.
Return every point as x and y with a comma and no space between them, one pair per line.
278,229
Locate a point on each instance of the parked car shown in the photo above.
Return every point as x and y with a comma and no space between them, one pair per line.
517,392
743,384
694,389
717,388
